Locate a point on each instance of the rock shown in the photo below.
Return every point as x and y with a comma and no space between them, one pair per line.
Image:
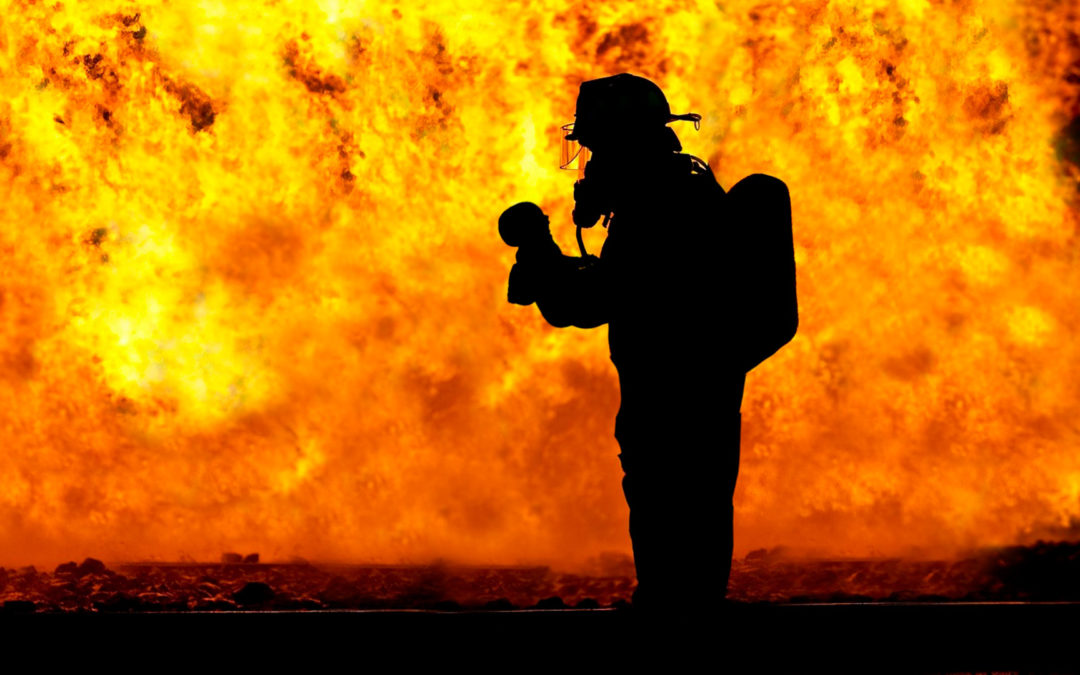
554,602
19,606
208,589
340,592
254,593
294,604
91,566
231,558
757,554
215,605
154,599
500,605
119,602
251,558
67,568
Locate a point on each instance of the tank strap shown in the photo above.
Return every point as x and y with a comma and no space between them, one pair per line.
699,167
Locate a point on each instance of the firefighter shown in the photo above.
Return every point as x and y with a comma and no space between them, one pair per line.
671,283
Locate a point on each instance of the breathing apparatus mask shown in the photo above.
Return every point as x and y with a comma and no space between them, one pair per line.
614,114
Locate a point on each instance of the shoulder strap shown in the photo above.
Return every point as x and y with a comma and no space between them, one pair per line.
700,168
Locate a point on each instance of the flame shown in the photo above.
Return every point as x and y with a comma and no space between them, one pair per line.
253,298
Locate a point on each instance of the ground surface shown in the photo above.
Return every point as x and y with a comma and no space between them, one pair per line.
1007,610
765,638
1042,572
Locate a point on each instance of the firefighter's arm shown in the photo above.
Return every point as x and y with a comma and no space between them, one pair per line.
575,293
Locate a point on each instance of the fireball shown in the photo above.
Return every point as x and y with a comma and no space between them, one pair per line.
252,296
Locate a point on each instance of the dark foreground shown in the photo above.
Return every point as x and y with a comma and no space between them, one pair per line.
760,638
1004,610
1043,572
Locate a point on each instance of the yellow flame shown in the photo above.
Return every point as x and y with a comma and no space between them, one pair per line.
253,298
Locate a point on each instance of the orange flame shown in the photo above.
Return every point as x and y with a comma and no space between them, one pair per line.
253,297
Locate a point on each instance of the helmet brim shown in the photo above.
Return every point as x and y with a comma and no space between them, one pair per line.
689,117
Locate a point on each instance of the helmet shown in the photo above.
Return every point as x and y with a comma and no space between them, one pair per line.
618,107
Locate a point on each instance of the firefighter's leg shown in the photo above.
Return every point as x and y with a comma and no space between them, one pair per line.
681,513
637,490
700,558
729,471
650,515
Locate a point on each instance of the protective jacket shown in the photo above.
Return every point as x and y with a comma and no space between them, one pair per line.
674,280
695,295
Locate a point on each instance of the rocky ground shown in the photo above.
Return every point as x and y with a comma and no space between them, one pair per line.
1042,572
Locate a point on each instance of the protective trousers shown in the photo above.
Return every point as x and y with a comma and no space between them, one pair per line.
679,483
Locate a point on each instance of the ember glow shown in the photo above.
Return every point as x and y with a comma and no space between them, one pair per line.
252,295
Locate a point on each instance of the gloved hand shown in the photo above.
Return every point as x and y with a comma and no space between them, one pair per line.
534,269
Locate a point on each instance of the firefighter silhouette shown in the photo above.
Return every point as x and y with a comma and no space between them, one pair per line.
697,286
